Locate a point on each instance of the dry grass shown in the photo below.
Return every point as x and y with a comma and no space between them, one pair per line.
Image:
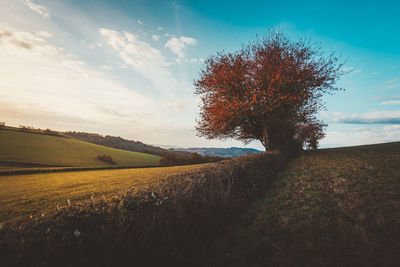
25,195
165,224
337,207
333,207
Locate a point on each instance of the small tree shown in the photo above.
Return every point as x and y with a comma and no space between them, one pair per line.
308,135
266,91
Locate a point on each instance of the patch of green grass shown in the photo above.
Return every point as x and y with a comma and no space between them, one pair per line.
329,207
24,195
33,148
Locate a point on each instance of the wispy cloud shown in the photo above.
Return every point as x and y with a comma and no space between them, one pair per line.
375,117
42,10
144,58
106,67
392,102
384,97
45,79
392,80
351,69
390,84
140,22
362,135
44,34
177,45
155,37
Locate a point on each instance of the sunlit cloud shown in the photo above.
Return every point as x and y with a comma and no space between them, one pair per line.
144,58
42,10
177,45
44,34
46,79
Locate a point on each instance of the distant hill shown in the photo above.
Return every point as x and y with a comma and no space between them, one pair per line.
137,146
31,148
120,143
220,152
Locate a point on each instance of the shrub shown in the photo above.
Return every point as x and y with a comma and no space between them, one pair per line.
174,159
2,124
106,158
51,132
27,128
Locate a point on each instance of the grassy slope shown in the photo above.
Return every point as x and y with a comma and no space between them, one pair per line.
44,149
329,207
24,195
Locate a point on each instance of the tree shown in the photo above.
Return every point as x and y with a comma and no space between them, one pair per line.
270,90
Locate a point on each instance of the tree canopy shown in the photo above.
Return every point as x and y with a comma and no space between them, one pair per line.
270,90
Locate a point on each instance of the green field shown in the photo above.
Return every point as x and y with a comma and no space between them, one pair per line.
25,195
23,149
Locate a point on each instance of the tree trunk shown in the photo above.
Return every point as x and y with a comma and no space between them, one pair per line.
265,139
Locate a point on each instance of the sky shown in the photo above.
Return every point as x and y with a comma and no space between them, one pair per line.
126,68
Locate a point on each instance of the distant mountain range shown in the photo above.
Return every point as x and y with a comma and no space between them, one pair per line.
220,152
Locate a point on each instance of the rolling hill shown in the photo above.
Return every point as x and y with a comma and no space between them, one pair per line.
33,149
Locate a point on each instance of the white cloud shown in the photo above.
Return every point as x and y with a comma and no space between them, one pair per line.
373,117
177,46
155,37
351,70
42,83
42,10
361,136
144,58
380,97
140,22
390,84
106,67
160,28
392,80
44,34
393,85
392,102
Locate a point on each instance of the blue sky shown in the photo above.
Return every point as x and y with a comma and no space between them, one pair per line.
126,67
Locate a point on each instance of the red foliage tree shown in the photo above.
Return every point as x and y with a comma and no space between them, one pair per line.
269,90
